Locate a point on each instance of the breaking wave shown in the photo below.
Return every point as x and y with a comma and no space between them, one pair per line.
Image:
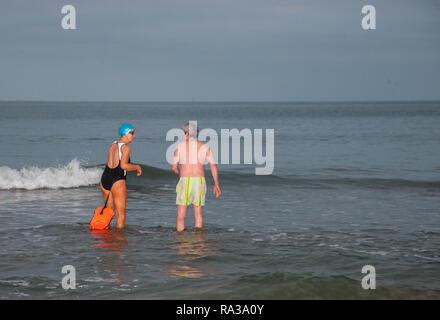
71,175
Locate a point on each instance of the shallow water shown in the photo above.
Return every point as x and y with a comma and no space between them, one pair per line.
353,185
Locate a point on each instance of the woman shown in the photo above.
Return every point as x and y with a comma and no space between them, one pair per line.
115,173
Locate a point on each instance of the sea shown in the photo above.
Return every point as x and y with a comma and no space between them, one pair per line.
351,209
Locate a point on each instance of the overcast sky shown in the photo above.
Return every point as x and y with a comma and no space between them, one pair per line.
219,50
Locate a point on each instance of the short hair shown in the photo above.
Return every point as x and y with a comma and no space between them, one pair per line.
192,129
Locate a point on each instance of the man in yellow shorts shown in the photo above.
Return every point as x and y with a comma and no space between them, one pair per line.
191,155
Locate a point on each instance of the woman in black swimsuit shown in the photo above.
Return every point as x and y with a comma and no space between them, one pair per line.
114,175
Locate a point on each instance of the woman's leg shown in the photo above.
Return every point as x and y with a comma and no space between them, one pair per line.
105,194
119,193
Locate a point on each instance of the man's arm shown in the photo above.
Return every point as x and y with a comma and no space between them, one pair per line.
214,171
175,164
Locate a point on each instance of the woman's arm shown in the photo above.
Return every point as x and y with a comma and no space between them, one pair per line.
124,161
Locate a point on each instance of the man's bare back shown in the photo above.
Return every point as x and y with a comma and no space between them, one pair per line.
191,156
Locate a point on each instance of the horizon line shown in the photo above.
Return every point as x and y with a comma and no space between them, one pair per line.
223,101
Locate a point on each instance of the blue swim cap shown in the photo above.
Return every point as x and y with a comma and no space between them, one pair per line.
124,129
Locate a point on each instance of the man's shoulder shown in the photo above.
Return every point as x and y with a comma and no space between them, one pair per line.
202,145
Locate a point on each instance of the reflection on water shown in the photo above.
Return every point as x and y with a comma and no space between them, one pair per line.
113,246
110,240
189,250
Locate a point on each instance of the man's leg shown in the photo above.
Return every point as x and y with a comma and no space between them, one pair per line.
198,217
181,213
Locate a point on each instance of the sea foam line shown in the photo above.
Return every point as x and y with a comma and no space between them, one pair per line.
71,175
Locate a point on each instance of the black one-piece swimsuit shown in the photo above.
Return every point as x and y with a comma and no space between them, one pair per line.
111,175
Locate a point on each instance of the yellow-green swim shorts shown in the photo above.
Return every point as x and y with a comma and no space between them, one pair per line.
191,190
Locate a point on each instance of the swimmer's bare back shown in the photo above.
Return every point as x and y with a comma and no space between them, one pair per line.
191,155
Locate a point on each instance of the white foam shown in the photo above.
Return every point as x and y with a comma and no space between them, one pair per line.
71,175
15,282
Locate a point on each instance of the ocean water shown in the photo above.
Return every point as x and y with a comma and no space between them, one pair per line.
353,184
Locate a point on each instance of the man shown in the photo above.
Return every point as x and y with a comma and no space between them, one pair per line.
191,155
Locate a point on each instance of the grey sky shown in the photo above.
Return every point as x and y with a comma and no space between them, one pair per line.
219,50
